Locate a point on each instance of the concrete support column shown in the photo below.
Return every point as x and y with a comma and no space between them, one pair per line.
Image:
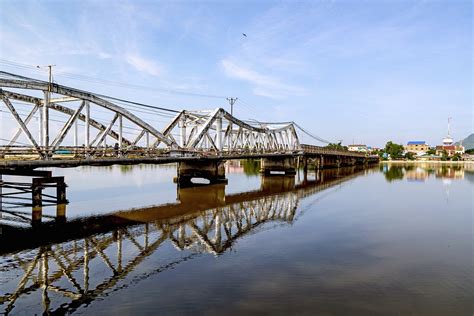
36,194
61,213
36,214
211,170
286,165
305,169
61,192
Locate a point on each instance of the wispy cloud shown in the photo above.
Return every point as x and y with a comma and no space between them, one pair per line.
145,65
263,85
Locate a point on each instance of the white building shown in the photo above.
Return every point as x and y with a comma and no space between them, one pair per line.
358,148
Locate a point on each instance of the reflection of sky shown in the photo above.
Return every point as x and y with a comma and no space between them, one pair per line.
367,247
95,190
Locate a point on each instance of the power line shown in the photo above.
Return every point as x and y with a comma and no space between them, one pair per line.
127,103
84,78
322,140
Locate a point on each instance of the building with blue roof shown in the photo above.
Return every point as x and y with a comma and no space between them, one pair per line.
418,147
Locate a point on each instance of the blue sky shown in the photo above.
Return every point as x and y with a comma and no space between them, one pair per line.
357,71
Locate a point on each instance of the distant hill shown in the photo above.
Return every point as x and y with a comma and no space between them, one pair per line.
467,142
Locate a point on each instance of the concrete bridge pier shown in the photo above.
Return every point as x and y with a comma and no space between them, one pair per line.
36,215
319,162
61,213
330,162
310,163
211,170
287,166
348,161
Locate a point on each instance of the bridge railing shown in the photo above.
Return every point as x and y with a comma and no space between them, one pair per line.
311,149
71,152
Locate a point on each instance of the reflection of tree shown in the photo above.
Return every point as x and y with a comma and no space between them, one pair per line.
126,168
409,167
394,173
251,166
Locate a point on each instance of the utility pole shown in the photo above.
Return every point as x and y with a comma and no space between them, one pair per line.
231,132
50,79
231,102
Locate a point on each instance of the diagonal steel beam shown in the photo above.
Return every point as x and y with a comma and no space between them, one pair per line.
100,137
18,132
20,122
67,127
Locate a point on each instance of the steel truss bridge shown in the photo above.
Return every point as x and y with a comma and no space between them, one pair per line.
70,269
98,127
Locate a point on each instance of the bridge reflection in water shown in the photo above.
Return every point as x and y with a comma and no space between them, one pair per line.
72,263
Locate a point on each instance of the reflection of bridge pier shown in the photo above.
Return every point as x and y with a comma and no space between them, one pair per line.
65,267
277,183
202,195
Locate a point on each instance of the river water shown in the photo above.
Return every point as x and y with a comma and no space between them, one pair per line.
390,240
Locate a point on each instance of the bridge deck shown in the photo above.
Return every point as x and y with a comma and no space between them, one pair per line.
66,162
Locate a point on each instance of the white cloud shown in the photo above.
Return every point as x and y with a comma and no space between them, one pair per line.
144,65
264,85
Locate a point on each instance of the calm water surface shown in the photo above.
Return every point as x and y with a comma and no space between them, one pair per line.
391,240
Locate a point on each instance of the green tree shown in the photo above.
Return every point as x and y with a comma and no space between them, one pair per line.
410,156
251,166
456,157
431,151
337,146
394,150
444,155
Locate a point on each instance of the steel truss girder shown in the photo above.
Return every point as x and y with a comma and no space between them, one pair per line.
82,95
215,130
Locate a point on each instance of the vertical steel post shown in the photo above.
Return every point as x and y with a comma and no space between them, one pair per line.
87,127
75,134
147,140
120,131
182,123
45,121
40,124
219,132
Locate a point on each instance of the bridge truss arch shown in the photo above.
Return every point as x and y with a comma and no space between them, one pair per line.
215,131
